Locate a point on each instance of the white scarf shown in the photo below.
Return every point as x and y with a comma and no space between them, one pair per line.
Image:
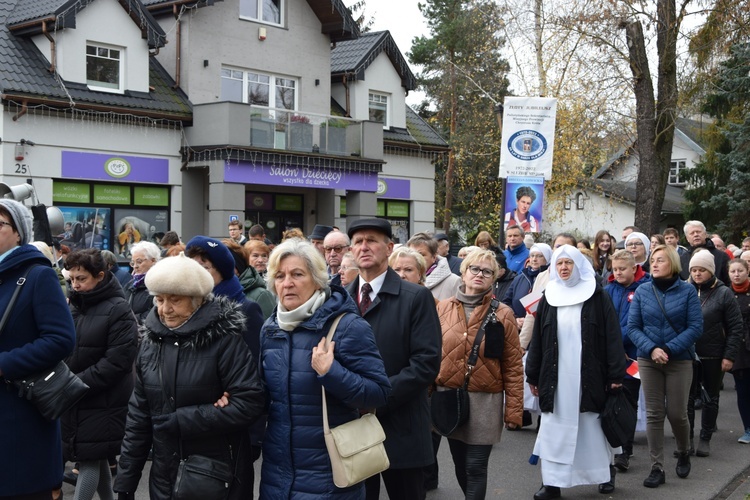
289,320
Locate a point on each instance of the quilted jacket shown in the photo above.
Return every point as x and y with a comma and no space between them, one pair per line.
622,296
489,375
648,328
441,281
722,322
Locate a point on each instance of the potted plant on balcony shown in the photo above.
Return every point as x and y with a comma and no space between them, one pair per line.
300,133
333,136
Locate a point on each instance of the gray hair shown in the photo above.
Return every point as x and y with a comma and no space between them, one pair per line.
109,258
150,249
304,250
693,223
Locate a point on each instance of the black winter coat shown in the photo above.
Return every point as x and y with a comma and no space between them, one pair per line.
106,346
722,322
180,374
602,354
407,331
721,261
140,300
742,361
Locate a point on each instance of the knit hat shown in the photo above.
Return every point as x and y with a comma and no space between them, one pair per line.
218,254
21,219
544,249
179,276
705,259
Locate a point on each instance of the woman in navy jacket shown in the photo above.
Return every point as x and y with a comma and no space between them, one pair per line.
295,363
38,334
666,347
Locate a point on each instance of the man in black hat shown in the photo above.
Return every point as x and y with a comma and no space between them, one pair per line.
407,330
444,250
318,235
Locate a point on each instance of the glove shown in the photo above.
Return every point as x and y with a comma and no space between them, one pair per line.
166,424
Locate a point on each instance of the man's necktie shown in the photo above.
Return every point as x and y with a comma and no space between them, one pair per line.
364,301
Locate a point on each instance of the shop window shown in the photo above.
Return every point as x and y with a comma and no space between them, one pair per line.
378,106
267,11
261,89
104,67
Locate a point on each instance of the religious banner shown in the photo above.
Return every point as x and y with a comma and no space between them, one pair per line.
528,137
524,203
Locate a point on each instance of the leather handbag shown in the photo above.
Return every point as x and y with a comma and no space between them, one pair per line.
618,418
200,477
355,448
449,408
53,391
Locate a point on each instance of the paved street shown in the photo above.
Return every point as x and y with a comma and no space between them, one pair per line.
719,476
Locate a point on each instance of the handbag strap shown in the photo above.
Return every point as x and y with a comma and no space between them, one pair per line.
474,353
658,301
19,284
335,324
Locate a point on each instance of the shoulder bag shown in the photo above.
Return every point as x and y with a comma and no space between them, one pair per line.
355,448
53,391
449,409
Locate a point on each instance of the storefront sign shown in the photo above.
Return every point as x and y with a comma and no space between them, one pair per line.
398,209
111,195
69,192
528,137
394,189
151,196
288,203
77,165
306,177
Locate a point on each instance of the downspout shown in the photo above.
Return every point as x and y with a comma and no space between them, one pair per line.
52,47
346,86
178,48
24,110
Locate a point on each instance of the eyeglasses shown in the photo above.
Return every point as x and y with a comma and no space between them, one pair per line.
486,273
3,223
336,249
634,244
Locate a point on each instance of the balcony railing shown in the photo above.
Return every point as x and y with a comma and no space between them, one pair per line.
283,129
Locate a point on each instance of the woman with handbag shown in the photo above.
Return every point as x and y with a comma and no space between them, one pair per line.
738,273
664,322
296,361
106,345
575,358
191,359
475,322
36,333
717,347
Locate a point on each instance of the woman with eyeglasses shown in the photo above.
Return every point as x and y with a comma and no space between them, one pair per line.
496,384
348,270
640,246
143,255
575,357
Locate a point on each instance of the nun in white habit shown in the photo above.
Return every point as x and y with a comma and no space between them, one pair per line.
574,358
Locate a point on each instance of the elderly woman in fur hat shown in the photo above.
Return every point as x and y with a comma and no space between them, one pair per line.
192,358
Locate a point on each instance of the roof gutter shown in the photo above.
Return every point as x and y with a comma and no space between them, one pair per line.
178,49
52,47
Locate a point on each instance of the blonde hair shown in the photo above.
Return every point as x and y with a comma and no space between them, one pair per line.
623,255
410,252
674,258
480,255
310,255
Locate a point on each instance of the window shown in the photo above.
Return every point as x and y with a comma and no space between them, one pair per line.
378,105
104,67
267,11
677,173
257,88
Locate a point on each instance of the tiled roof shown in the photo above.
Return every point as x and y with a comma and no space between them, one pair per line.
625,191
417,132
354,56
24,74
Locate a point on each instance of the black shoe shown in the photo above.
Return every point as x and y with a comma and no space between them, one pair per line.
430,485
547,493
609,486
527,420
70,478
622,462
704,448
654,479
683,465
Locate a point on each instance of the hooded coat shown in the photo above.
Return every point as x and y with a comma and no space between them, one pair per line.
39,333
295,459
441,281
723,330
106,346
255,290
180,374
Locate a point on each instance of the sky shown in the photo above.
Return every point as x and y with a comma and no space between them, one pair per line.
403,19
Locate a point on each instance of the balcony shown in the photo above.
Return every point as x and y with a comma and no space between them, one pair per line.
282,130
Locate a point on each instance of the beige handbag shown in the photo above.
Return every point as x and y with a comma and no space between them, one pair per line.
355,448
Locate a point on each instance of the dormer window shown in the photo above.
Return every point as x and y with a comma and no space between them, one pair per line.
104,67
378,105
266,11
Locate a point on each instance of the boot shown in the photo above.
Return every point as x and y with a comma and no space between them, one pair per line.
547,493
704,448
609,486
622,461
683,465
655,478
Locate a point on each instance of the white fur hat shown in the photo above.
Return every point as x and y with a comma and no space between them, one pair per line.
179,276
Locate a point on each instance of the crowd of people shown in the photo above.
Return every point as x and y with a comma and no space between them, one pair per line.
217,348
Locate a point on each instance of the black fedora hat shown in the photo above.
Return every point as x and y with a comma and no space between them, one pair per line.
319,232
381,225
